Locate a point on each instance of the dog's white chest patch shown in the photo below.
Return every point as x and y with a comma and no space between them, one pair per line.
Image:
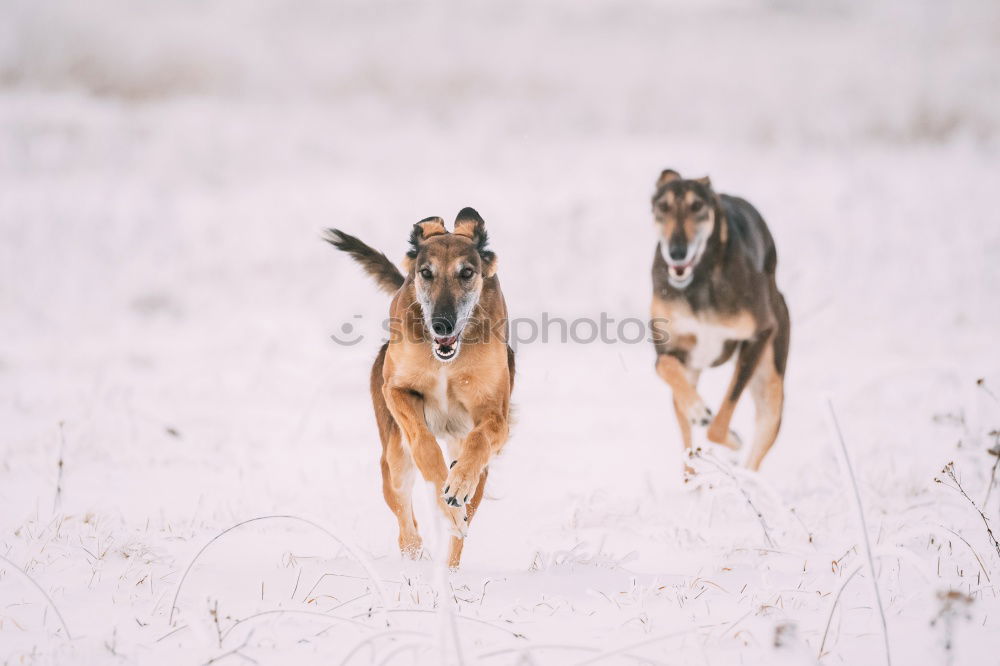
709,339
445,417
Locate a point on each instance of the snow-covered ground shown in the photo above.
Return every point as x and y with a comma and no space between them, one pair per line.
166,306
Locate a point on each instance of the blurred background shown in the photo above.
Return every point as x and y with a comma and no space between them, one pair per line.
166,169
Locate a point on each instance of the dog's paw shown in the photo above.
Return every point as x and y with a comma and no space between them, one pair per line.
460,485
411,549
699,414
456,520
727,438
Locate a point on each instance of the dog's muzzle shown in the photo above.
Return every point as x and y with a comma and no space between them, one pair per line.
681,272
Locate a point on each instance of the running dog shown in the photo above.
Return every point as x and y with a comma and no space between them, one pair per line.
714,294
446,372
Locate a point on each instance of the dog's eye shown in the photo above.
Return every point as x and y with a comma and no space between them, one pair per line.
664,207
466,273
426,274
697,205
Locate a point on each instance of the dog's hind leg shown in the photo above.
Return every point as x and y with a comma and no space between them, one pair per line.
397,466
397,488
768,386
455,555
746,363
768,391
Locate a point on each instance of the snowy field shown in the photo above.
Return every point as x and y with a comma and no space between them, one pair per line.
166,306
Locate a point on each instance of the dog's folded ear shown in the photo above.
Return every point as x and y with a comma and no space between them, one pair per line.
471,225
704,180
667,176
422,230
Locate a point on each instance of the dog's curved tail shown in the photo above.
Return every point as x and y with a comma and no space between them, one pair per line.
375,263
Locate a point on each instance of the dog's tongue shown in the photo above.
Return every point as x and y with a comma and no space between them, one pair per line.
446,342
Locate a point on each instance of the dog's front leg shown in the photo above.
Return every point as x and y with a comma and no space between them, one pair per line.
407,408
482,442
686,398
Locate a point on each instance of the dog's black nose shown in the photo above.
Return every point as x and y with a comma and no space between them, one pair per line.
443,326
678,252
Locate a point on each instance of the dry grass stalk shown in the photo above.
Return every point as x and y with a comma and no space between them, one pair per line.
862,525
373,579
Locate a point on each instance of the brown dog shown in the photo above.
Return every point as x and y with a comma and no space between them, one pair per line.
447,371
714,293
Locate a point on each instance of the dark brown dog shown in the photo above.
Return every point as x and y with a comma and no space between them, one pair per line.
714,294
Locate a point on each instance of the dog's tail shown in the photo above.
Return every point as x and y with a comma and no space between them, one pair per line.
375,263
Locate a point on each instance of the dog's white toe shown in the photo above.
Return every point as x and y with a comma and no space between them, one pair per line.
699,414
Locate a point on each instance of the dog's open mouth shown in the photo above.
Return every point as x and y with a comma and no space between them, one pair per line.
681,271
446,348
680,274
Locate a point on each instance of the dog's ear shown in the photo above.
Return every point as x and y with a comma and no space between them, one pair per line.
471,225
705,180
667,176
422,230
